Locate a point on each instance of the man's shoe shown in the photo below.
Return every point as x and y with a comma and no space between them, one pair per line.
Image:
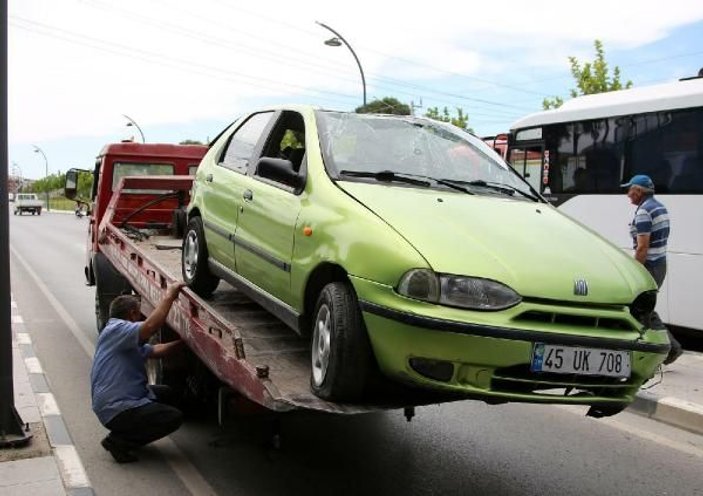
120,454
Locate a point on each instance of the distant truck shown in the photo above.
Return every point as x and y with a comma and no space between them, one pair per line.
28,202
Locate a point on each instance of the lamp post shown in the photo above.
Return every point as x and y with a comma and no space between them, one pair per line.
131,123
17,172
338,40
46,166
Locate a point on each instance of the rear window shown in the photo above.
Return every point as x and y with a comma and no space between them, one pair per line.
122,169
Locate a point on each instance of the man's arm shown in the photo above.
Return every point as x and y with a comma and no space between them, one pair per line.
164,349
157,318
642,248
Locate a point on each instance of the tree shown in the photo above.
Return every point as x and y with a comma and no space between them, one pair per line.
388,105
191,142
590,78
460,120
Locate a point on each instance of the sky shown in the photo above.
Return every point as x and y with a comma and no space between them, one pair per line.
80,70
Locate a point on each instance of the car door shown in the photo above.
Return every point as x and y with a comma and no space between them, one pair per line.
268,214
223,185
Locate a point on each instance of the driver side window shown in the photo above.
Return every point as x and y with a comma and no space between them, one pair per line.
287,140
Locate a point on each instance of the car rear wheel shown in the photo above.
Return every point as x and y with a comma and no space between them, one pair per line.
194,260
340,351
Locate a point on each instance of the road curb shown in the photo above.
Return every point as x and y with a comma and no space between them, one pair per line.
73,475
680,413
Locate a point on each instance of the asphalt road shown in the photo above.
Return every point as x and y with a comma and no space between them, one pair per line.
461,448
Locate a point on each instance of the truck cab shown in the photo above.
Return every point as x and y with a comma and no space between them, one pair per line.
118,160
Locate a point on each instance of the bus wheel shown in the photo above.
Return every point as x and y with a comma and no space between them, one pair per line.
340,350
194,260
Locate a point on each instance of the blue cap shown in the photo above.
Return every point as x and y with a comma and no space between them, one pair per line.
640,180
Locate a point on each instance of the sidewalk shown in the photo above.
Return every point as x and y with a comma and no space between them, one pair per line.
49,465
678,398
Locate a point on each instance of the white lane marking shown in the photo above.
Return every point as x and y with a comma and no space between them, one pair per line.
71,466
65,316
641,433
47,404
33,365
186,472
23,338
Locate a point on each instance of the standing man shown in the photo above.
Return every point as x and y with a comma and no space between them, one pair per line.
650,232
134,412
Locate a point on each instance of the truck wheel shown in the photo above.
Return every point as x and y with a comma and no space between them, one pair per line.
102,312
194,260
39,212
178,222
340,349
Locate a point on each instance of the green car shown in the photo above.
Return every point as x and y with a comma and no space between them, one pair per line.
406,249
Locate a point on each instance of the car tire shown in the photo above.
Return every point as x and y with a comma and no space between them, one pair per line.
194,255
340,351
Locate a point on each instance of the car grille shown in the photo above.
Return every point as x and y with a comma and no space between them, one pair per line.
583,321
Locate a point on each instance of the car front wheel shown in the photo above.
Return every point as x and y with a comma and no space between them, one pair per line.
340,350
194,260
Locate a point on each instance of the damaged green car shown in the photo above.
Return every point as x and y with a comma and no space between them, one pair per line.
405,248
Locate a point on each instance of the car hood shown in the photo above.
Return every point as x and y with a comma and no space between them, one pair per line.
531,247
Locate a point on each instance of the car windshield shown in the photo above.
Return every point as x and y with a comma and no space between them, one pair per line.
379,146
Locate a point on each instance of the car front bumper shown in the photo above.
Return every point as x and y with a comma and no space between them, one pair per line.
487,355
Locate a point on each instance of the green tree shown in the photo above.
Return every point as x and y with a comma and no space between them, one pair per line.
191,142
460,120
388,105
591,77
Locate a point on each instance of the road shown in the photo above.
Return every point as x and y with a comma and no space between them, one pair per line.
460,448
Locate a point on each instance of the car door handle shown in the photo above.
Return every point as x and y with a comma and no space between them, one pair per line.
248,195
208,178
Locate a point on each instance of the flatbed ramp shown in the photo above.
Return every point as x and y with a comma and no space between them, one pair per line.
246,347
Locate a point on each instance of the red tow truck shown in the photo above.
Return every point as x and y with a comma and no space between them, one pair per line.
139,196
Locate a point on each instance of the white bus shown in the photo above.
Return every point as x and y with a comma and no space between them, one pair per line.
594,143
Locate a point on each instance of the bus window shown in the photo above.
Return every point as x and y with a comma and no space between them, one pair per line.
586,157
668,147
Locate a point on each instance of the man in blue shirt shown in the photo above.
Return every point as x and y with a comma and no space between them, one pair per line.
134,412
650,232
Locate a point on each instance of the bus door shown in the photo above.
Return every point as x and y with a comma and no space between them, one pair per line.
532,163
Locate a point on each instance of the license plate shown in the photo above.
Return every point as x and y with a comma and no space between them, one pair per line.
581,361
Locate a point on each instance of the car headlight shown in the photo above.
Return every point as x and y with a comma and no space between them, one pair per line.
457,291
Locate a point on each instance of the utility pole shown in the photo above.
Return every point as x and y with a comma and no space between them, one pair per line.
12,432
413,106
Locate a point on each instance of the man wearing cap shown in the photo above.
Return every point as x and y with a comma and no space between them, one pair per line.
650,231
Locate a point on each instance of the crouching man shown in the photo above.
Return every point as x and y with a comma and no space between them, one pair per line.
135,413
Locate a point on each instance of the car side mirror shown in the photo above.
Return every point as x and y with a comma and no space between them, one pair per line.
71,185
279,170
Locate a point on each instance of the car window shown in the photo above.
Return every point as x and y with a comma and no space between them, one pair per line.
192,169
242,142
287,140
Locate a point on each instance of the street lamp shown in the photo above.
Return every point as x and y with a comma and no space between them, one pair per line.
338,40
131,123
17,172
46,166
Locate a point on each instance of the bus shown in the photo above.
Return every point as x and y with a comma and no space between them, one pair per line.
592,144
